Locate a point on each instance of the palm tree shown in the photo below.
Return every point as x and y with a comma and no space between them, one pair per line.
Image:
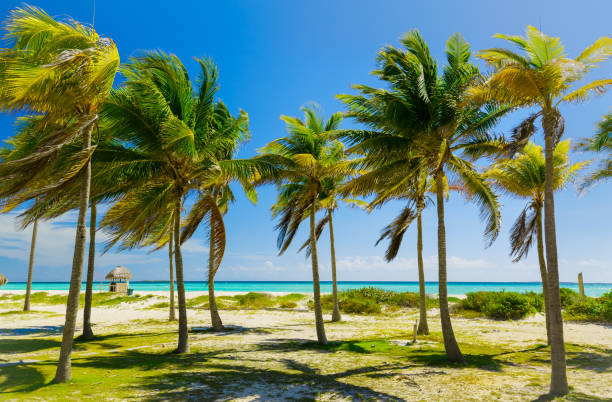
423,124
600,142
415,192
524,177
542,77
307,157
170,138
61,71
18,147
172,313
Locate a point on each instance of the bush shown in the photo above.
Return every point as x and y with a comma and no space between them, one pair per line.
254,300
352,305
568,297
288,304
597,309
503,305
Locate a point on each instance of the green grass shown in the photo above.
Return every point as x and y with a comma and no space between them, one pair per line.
237,367
99,299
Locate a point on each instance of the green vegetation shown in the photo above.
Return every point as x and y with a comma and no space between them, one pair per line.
251,300
503,305
597,309
371,300
99,299
512,305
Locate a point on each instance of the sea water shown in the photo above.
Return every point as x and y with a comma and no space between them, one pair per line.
454,288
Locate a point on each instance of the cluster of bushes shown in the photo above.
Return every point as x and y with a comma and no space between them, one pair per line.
590,308
512,305
98,299
251,300
371,300
503,305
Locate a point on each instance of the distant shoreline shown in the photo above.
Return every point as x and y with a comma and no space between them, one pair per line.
285,287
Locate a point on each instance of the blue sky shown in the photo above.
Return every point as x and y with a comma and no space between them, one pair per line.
275,56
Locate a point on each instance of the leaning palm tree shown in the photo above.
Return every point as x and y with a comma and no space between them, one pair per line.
170,135
524,176
542,77
600,142
423,124
61,71
307,157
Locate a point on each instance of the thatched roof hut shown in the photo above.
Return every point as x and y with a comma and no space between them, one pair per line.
3,280
119,278
119,273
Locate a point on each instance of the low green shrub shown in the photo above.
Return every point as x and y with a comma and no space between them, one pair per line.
254,300
598,309
288,304
503,305
568,297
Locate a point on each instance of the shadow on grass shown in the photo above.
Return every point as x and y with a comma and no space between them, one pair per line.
572,396
27,345
430,356
20,378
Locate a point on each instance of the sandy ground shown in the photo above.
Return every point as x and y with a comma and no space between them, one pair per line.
267,326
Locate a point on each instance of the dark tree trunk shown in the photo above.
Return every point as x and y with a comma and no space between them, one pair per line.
336,312
423,328
321,338
172,316
26,305
183,339
558,378
543,272
87,331
64,369
450,343
215,319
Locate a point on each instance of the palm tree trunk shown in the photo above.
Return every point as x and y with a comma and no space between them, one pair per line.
64,370
321,338
543,272
87,331
423,328
558,378
336,313
183,339
450,343
215,319
172,316
26,305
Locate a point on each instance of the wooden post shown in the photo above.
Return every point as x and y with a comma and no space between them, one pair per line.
581,285
414,332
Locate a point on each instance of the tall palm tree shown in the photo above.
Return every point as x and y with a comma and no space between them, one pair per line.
61,71
415,192
170,136
541,75
423,124
600,142
524,177
18,147
307,157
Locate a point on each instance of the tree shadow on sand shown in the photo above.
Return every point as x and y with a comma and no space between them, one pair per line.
204,375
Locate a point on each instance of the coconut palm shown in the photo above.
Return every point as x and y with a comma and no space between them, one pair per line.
61,71
541,75
423,124
415,193
524,177
600,142
307,158
171,137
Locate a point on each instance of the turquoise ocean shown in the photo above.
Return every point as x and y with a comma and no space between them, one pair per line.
454,288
